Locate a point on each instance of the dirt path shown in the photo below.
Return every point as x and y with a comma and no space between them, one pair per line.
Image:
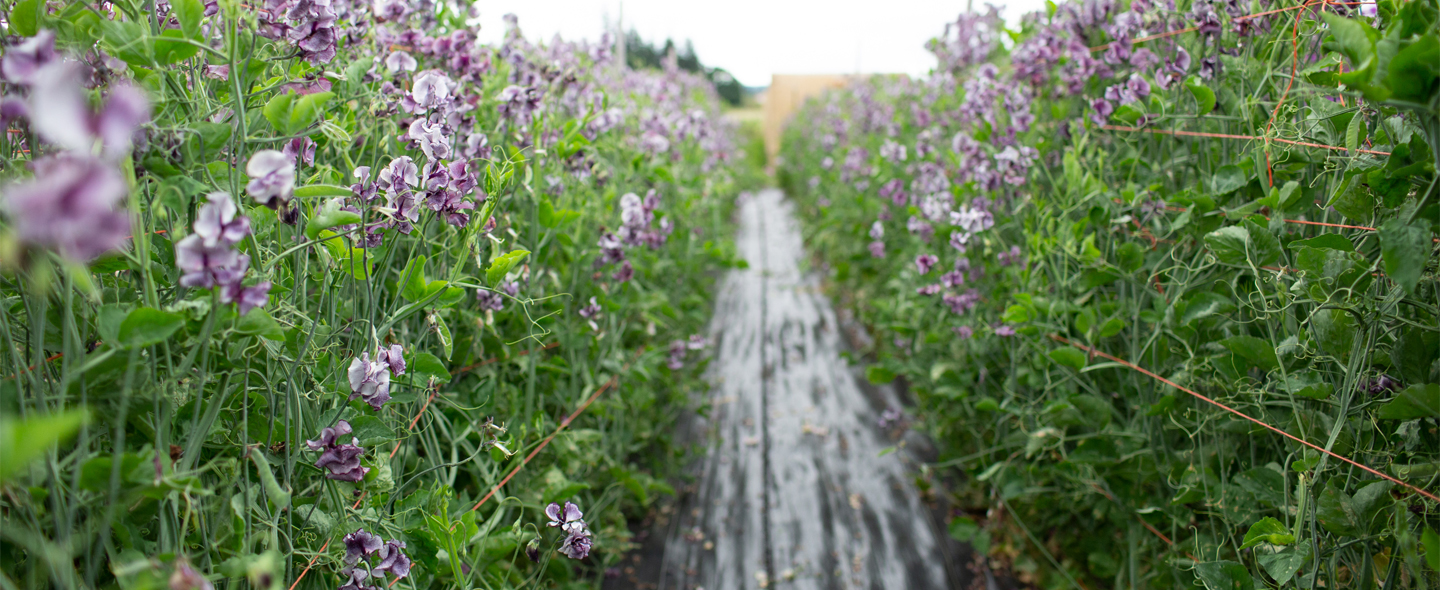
793,431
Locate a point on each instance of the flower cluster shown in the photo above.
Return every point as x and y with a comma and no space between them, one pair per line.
637,226
73,205
367,556
341,460
208,257
679,349
577,543
370,379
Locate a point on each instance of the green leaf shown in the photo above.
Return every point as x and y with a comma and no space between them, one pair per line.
146,326
1326,242
413,276
371,430
1406,250
1205,304
1016,314
447,343
189,13
307,109
1354,132
1421,400
1282,565
330,215
423,366
879,375
1204,96
550,217
323,190
1432,548
1353,38
172,47
23,441
501,265
1308,384
259,323
26,17
1227,179
1224,575
1267,530
1249,241
291,113
1414,70
277,111
1336,512
1334,330
1068,356
1255,350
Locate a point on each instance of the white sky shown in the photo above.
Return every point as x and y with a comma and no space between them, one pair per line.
756,38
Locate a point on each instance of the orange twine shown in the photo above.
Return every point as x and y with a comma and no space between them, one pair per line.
1340,457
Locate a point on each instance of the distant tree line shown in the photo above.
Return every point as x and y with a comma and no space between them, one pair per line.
640,54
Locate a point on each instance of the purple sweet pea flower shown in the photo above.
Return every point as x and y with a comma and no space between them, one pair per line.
219,221
568,518
72,206
186,578
877,249
576,545
393,357
920,227
60,112
1101,110
928,290
301,149
400,61
272,178
369,380
952,279
355,579
247,297
924,262
1004,331
204,266
21,62
431,138
399,174
489,300
625,273
877,230
392,560
221,72
342,460
360,544
431,90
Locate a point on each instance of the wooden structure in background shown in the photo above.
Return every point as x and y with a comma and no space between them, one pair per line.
785,95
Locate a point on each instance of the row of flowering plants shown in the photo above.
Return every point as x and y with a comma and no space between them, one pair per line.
290,290
1073,229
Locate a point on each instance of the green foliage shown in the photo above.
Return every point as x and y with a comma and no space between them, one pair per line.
1290,283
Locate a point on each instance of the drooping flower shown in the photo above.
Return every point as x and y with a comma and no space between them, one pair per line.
248,298
359,544
272,178
431,138
21,62
392,560
369,380
568,517
72,206
301,150
186,578
61,115
576,545
399,61
924,262
393,357
342,460
489,300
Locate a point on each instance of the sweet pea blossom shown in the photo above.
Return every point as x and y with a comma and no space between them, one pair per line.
72,206
342,460
61,115
431,138
399,61
369,380
568,517
272,178
21,62
924,262
392,560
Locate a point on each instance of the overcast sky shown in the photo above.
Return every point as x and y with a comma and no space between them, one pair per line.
756,38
